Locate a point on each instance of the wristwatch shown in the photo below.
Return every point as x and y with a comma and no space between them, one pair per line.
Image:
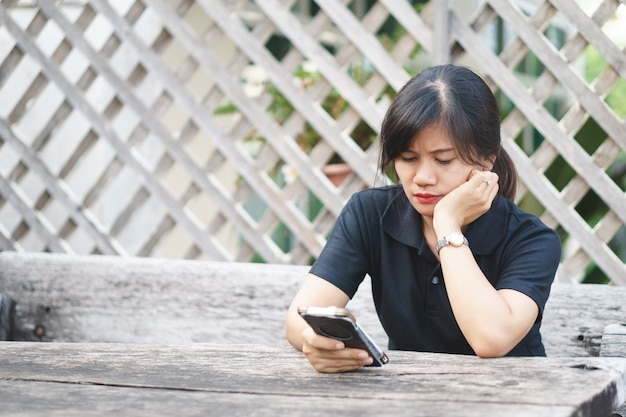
454,239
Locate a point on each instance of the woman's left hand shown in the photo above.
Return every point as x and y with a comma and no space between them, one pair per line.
467,202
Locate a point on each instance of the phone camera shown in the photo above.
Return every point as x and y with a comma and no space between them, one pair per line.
337,330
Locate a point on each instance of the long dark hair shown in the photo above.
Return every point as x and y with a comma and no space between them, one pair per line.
458,100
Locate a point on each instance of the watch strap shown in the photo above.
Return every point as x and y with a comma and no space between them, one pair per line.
445,242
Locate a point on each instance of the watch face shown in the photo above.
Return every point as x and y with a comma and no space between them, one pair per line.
456,239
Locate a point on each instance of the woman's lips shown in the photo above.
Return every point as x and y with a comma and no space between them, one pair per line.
427,198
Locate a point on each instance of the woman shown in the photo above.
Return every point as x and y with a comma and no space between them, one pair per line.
455,266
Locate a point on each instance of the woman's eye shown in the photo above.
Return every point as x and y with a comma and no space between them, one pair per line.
409,158
444,161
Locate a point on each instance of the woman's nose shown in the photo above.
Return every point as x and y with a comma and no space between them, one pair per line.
424,175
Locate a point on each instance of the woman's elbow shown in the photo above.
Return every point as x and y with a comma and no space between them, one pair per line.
294,326
486,352
491,348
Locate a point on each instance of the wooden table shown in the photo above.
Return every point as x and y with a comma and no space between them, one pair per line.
57,379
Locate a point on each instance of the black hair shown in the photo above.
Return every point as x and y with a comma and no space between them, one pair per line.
458,100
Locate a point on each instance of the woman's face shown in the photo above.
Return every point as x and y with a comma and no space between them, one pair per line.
430,168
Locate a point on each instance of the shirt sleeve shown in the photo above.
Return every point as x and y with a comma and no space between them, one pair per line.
532,258
343,261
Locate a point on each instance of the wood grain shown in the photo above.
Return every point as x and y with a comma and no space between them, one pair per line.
149,300
158,378
614,340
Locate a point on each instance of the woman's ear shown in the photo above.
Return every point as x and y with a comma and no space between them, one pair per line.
489,162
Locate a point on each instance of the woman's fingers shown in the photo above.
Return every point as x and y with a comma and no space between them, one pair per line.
345,360
468,201
484,179
328,355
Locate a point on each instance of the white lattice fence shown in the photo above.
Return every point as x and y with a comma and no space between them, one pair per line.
203,128
586,238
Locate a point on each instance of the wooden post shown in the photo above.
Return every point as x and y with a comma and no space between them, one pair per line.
441,33
7,310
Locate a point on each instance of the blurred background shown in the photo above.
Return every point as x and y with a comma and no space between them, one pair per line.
235,130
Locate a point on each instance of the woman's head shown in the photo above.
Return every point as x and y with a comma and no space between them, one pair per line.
459,101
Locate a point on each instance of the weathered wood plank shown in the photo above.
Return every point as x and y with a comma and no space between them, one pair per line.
147,300
7,312
614,340
102,299
576,315
450,383
50,399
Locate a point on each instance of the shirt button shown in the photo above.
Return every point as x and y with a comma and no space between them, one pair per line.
435,280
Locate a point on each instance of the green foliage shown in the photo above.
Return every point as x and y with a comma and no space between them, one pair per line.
226,108
595,64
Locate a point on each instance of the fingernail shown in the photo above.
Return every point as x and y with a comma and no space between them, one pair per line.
339,345
363,355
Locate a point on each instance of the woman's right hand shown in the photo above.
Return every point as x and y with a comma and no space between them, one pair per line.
328,355
466,203
325,354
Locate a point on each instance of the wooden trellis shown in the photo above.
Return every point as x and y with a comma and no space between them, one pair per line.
201,128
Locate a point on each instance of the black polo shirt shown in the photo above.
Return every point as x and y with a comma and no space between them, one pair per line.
379,233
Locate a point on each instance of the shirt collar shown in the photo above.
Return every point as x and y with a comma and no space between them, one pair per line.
403,223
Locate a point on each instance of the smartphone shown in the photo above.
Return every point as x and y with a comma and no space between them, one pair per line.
338,323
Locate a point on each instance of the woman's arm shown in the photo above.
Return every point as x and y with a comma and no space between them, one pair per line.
493,321
324,354
315,291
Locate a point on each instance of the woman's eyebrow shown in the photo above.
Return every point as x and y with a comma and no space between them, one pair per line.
444,150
